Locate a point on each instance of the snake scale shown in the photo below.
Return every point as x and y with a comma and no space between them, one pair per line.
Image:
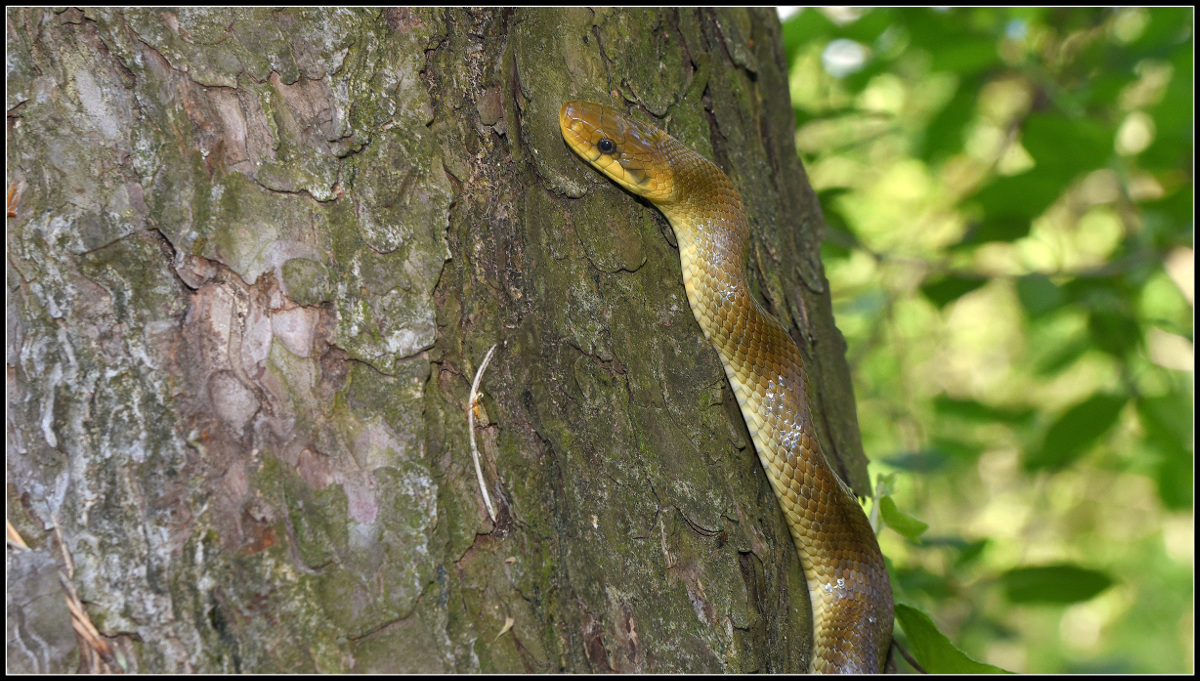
847,579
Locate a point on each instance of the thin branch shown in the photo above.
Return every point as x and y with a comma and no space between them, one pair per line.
907,657
487,500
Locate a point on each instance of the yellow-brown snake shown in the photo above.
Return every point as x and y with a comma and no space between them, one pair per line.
847,580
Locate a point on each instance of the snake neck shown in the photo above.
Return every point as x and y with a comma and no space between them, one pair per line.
713,234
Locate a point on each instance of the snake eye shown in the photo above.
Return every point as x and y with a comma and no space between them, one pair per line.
606,146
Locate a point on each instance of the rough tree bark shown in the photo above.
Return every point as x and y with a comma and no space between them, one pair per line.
256,260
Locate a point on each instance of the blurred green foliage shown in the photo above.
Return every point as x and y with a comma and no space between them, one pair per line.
1008,194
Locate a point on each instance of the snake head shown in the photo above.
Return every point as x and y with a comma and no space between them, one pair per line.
633,154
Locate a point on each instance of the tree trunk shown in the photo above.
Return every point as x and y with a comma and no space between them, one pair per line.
256,261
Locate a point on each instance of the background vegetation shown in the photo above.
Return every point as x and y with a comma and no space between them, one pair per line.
1009,201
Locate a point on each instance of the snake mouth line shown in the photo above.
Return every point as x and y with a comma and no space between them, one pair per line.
628,152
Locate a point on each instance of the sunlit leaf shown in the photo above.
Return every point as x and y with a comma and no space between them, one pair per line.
933,650
885,484
1063,583
899,521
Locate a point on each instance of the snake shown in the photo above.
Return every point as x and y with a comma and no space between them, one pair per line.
847,578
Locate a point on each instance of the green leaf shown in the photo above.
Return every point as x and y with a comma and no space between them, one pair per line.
860,79
1113,326
944,135
1026,195
1173,115
838,233
941,453
933,650
885,484
1076,431
967,551
1010,204
918,581
1168,416
1115,331
1060,584
1175,476
868,27
1167,422
1039,295
1169,219
1064,147
965,56
975,410
1067,352
997,228
923,462
955,448
803,27
899,521
971,551
950,288
1167,26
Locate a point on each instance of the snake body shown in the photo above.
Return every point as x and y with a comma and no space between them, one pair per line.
847,579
